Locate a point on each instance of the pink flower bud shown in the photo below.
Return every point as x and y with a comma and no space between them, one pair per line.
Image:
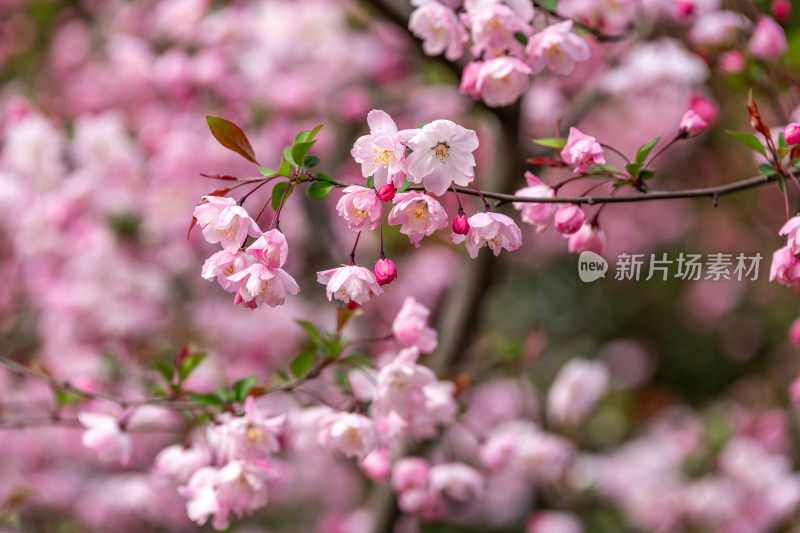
387,192
794,333
692,124
684,8
460,224
706,107
781,9
587,238
792,133
385,271
569,219
731,62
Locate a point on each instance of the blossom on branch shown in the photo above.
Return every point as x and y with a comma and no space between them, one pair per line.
442,156
556,48
225,221
536,214
439,28
494,230
360,207
418,214
350,283
582,150
380,154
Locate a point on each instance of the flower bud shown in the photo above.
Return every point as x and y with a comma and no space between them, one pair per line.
460,224
587,238
569,219
387,192
692,124
781,9
684,8
792,133
385,271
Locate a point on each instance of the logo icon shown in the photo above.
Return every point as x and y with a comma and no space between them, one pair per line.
591,266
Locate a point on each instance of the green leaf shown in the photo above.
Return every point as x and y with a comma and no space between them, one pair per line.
300,150
644,150
231,137
241,387
620,184
212,398
340,378
332,348
766,169
64,397
359,359
748,139
300,365
313,133
370,182
406,185
277,194
323,177
781,140
319,190
285,170
287,155
549,5
266,171
164,369
190,362
552,142
646,174
520,37
633,168
311,161
312,331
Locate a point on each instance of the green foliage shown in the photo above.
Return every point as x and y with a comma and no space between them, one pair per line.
749,140
319,190
300,364
644,150
190,362
277,194
552,142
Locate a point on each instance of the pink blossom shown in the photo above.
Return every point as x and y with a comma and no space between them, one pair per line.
576,390
537,214
226,222
259,284
588,238
785,267
794,390
613,18
692,124
456,481
794,333
410,326
351,434
105,436
350,283
469,79
582,150
553,522
418,214
381,153
178,462
792,231
495,230
460,224
493,27
792,133
360,207
410,473
731,62
252,436
717,28
270,249
385,271
377,464
569,219
439,28
442,156
224,263
704,106
768,41
502,80
557,48
781,9
387,192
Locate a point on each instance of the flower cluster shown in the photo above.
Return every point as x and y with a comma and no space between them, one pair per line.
785,263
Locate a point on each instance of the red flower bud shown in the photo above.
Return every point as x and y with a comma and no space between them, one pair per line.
792,133
460,224
385,271
387,192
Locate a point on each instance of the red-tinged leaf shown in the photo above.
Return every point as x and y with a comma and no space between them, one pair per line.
218,192
191,227
755,117
220,177
546,161
231,137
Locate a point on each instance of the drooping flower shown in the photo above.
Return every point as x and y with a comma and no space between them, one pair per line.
271,249
381,154
556,48
410,326
502,80
792,231
785,267
350,283
569,219
105,436
588,238
537,214
385,271
360,207
226,222
495,230
576,390
582,150
418,214
259,284
439,28
442,156
768,41
252,436
223,264
351,434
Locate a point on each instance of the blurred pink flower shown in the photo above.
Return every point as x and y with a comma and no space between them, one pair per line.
569,219
493,27
792,231
385,271
692,124
557,48
539,215
259,284
587,238
456,481
553,522
351,434
785,267
377,464
576,389
106,437
410,326
439,28
252,436
768,41
502,80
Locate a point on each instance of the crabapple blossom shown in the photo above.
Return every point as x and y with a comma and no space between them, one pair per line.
351,283
588,238
439,28
418,214
225,221
781,9
271,249
410,326
409,473
387,192
442,156
792,231
460,224
385,271
252,436
381,153
495,230
785,267
351,434
377,464
500,81
224,263
556,48
576,390
692,124
582,150
553,522
768,41
360,207
493,28
259,284
717,28
794,333
792,133
537,214
456,481
178,462
106,437
613,18
469,79
732,62
569,218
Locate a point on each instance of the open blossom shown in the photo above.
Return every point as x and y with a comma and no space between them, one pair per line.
492,28
576,390
500,81
226,222
360,207
270,249
105,437
439,28
539,215
768,41
350,283
785,267
582,150
252,436
410,326
717,28
442,156
495,230
381,154
259,284
611,18
179,462
589,238
456,481
351,434
223,264
557,48
792,231
418,214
